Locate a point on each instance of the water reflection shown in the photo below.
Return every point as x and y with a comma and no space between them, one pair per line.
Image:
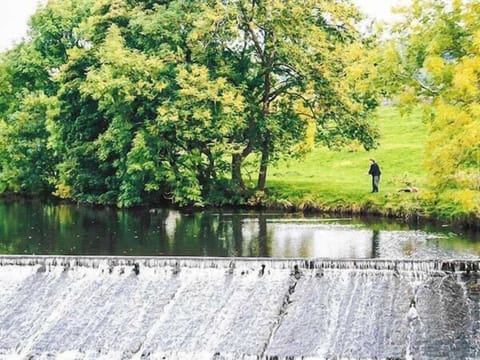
321,240
29,227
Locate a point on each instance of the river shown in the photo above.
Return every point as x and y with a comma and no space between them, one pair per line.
34,227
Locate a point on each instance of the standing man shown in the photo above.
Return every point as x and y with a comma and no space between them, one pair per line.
375,173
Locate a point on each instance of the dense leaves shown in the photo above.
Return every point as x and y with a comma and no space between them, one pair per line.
438,66
129,102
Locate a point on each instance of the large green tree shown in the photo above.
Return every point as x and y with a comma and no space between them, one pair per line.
151,99
293,61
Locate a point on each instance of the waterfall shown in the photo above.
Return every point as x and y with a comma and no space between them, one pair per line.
91,307
414,265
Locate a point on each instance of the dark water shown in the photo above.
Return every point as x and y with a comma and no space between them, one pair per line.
30,227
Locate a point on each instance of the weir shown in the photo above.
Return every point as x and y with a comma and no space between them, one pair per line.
237,308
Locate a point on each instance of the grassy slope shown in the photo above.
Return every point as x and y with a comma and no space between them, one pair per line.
337,179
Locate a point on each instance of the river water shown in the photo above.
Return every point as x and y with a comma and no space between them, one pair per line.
31,227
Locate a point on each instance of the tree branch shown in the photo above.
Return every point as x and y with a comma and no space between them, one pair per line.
307,102
278,91
287,68
251,31
419,82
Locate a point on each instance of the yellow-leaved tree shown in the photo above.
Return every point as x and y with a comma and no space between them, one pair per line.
434,60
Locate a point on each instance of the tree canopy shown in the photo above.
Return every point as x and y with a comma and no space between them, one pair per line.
127,102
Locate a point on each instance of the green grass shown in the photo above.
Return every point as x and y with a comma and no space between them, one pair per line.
338,179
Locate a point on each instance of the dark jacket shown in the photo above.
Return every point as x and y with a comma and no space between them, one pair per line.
374,170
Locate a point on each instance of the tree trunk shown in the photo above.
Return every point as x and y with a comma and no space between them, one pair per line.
211,172
206,172
237,178
237,161
262,173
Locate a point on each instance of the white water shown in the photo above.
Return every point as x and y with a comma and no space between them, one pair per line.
210,308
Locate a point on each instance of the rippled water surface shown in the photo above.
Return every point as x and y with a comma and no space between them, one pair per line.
29,227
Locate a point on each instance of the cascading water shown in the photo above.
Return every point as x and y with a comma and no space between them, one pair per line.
225,308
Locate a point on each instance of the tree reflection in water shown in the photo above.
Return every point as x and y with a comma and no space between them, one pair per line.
33,227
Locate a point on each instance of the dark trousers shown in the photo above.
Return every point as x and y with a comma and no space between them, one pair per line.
375,182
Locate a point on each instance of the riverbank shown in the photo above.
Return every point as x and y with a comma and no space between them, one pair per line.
409,207
337,181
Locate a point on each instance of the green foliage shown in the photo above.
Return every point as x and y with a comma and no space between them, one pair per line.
288,58
26,161
123,102
438,65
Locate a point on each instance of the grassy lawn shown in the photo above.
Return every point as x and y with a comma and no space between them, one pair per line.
327,177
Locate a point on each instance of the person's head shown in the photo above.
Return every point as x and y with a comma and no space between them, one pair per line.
372,161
